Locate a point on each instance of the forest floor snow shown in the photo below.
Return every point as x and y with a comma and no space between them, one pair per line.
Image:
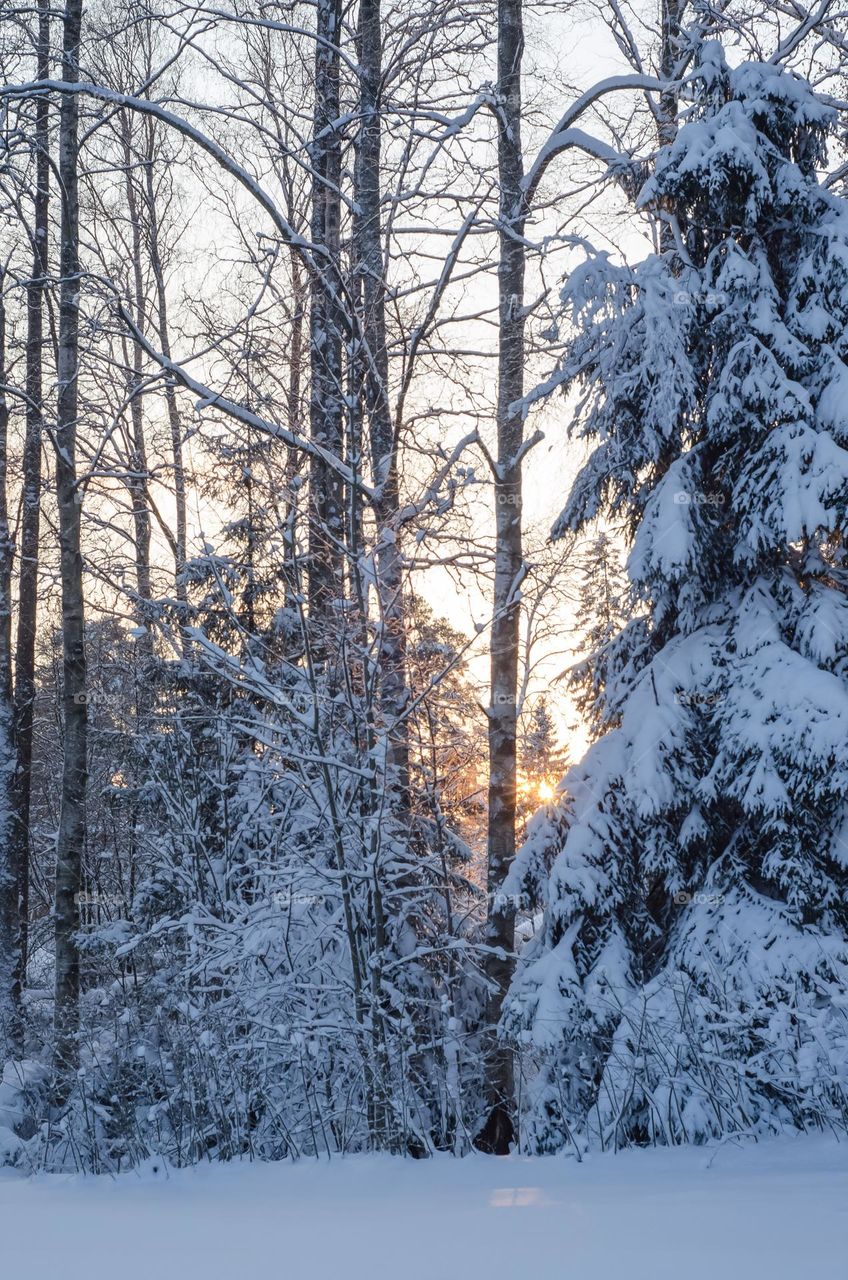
777,1210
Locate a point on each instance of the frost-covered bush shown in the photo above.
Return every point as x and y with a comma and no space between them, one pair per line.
291,971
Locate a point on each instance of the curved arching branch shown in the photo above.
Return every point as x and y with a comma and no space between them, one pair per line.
36,88
565,136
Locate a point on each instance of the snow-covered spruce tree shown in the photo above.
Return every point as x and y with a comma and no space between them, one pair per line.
690,976
542,760
603,592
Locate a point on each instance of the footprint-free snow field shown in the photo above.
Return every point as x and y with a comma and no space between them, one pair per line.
777,1210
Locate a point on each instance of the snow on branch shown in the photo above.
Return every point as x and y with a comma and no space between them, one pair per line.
310,252
207,398
564,136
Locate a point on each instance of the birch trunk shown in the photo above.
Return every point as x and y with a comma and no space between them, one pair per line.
164,333
30,526
326,401
138,473
394,695
71,838
671,18
671,15
499,1129
11,1039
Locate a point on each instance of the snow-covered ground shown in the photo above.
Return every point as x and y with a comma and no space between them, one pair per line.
775,1211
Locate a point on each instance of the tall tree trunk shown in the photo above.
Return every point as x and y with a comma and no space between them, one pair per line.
326,402
174,418
30,529
138,474
394,693
671,19
11,1037
499,1129
300,295
71,838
